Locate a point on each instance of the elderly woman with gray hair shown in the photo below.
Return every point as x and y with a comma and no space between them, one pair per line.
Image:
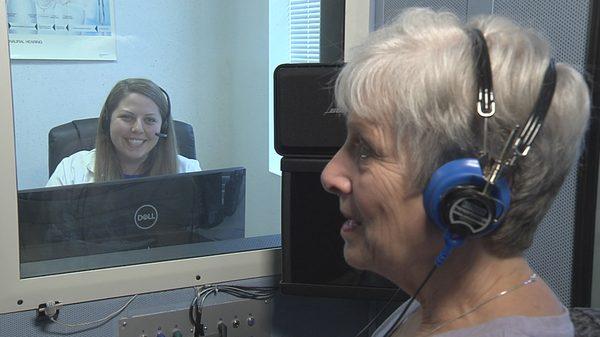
459,138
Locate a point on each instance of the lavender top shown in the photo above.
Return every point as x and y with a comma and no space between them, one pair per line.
512,326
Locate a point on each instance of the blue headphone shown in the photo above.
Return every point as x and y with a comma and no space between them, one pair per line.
455,201
470,196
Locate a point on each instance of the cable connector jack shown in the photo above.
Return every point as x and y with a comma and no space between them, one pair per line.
49,309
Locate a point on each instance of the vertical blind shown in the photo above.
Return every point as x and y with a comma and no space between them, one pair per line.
305,18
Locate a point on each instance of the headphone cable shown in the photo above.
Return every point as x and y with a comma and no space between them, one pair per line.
395,326
379,313
451,242
392,298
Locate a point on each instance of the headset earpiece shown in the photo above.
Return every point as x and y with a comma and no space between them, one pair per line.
164,128
455,202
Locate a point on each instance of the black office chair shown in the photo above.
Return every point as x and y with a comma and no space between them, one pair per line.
68,138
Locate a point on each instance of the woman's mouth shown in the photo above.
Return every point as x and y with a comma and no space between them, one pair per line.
135,142
350,225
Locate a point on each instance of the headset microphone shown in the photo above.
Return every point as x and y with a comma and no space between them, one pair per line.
165,125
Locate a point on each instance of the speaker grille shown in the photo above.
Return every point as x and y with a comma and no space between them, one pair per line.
306,120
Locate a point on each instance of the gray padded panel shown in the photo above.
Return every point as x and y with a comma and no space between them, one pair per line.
564,24
392,7
551,255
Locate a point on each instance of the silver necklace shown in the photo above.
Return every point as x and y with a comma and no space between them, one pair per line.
530,280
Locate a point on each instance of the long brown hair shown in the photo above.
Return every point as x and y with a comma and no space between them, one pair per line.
162,159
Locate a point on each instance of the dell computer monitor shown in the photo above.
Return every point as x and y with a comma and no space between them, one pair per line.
132,220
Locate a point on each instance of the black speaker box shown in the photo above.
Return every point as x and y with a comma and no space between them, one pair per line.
307,124
312,248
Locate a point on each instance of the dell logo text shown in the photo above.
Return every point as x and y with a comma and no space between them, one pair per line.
145,216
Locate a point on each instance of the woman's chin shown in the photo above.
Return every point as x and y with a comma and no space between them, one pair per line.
355,257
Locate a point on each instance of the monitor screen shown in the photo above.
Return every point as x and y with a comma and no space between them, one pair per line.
139,215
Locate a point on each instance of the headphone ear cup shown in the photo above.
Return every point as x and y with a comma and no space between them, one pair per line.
461,181
467,211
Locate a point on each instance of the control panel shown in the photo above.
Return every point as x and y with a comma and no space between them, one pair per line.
245,318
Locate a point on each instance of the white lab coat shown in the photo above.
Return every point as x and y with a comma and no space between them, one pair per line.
78,168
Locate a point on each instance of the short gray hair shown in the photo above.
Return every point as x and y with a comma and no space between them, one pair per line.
417,74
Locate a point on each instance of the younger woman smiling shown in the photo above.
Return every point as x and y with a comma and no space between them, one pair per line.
135,138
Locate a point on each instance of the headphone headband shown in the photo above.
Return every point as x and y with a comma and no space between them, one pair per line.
165,127
486,105
539,111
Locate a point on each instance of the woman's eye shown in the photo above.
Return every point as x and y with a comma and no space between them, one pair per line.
126,118
150,120
363,151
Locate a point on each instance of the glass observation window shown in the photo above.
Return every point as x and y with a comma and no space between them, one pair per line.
98,183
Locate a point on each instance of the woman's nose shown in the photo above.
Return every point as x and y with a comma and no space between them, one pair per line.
136,126
335,178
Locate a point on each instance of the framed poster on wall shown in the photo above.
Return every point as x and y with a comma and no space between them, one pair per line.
61,29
